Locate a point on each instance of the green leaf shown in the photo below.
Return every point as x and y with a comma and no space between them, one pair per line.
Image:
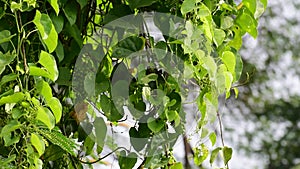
188,6
59,139
60,51
8,78
177,165
46,29
127,161
44,89
54,5
214,154
247,22
44,115
5,36
11,126
58,22
70,11
219,36
100,131
201,154
56,108
49,63
210,65
128,46
227,153
140,3
265,3
38,143
229,60
155,125
251,5
14,98
5,59
213,138
74,32
82,3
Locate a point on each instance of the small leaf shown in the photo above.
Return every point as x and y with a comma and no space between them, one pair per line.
201,154
155,125
11,126
54,5
56,108
8,78
219,36
44,89
58,22
214,154
5,36
187,6
227,153
38,143
5,59
44,115
48,61
14,98
247,22
213,138
60,51
100,130
127,161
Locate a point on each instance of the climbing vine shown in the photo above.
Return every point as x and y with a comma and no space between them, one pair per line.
76,75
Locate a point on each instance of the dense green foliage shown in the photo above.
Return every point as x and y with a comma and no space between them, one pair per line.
57,77
270,100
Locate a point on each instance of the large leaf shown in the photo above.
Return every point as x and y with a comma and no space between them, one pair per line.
140,3
46,29
49,63
14,98
44,115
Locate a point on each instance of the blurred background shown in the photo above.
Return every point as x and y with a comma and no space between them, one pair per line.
263,123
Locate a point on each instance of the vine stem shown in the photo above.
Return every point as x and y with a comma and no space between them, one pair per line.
101,158
221,133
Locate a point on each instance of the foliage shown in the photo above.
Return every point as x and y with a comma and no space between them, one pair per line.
56,79
270,101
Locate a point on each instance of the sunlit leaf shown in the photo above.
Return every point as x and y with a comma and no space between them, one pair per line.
44,89
14,98
46,29
38,143
214,154
56,108
54,5
44,115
